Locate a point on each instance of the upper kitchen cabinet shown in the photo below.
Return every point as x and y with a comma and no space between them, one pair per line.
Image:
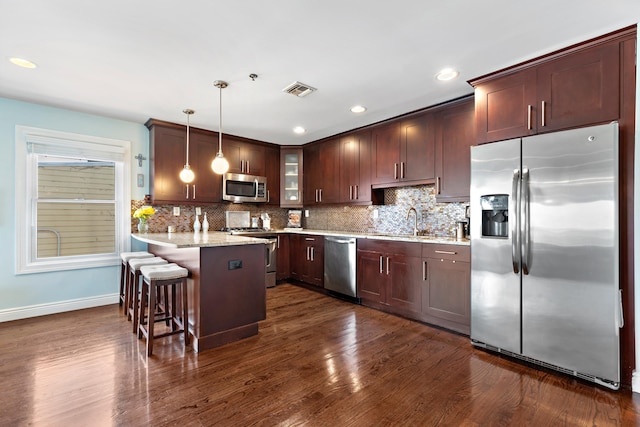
272,172
455,134
355,172
403,152
291,177
244,157
167,148
574,87
322,172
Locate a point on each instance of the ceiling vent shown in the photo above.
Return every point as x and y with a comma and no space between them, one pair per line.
299,89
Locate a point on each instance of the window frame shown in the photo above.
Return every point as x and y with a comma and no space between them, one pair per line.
31,142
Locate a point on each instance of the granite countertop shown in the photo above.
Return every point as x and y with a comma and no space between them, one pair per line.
196,240
382,236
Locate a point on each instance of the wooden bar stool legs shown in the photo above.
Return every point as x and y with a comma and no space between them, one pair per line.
133,286
173,279
124,275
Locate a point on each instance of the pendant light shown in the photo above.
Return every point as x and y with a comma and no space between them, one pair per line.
220,165
186,174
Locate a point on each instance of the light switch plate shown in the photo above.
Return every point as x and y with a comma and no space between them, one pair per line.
374,214
306,213
176,210
198,211
140,180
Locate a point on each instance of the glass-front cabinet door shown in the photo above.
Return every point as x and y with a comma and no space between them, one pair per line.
291,182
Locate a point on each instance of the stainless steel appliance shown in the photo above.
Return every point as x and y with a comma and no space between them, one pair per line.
340,265
544,251
240,188
238,223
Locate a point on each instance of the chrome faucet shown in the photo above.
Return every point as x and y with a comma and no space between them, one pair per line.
415,224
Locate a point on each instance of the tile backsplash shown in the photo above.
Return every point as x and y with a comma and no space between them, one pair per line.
434,218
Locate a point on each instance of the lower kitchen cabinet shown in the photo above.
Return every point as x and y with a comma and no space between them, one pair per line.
446,284
283,267
388,275
307,258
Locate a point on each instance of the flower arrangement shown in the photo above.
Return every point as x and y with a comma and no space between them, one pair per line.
144,213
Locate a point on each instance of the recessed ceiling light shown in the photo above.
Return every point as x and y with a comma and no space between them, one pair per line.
447,74
299,130
24,63
358,109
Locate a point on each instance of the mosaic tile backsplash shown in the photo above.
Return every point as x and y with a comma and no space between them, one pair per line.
433,218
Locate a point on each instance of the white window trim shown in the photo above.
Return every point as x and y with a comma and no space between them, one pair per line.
61,141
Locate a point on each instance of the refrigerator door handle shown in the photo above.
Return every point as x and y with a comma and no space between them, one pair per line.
524,222
515,233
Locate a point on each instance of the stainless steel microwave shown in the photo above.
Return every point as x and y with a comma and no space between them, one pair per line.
240,188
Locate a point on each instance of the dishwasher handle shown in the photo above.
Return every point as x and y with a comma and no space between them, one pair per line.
340,240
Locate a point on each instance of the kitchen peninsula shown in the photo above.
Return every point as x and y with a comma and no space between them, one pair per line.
226,287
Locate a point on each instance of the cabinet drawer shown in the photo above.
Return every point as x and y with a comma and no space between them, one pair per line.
450,252
390,247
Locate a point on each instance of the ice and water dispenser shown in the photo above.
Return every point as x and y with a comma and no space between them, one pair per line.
495,215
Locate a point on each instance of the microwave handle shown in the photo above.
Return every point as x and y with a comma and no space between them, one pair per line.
256,186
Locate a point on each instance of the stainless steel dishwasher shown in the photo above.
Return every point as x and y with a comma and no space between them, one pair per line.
340,265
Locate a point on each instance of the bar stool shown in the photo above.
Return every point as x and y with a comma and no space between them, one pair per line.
133,286
155,278
124,273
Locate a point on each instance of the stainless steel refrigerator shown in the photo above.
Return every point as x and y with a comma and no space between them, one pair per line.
544,251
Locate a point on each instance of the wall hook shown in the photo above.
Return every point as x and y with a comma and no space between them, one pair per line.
140,158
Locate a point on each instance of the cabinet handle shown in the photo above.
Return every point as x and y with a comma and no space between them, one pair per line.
381,265
529,112
313,252
424,270
310,239
268,196
446,252
316,195
307,253
187,191
437,185
351,192
401,170
242,166
248,167
278,245
543,114
194,191
320,195
357,192
387,266
395,171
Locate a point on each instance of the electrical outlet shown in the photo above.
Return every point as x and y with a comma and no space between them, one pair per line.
176,210
306,213
374,214
198,211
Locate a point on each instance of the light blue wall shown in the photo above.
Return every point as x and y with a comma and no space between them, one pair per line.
57,288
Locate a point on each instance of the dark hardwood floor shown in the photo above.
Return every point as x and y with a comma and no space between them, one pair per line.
317,361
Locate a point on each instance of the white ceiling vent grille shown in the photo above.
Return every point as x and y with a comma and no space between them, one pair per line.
299,89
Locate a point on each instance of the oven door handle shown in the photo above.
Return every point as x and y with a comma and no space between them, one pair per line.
271,249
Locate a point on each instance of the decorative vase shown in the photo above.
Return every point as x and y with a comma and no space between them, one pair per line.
205,223
143,227
196,225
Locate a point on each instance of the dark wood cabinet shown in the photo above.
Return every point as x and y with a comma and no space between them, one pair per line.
283,269
272,172
403,152
455,134
322,172
291,188
355,172
244,157
446,286
167,147
565,90
307,258
388,275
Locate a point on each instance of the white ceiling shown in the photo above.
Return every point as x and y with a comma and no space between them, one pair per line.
136,59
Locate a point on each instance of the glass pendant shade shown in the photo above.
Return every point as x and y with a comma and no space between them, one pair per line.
186,174
219,164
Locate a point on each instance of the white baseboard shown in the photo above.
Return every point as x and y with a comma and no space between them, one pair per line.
56,307
635,382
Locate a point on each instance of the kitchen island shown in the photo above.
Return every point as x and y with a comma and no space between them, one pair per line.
226,286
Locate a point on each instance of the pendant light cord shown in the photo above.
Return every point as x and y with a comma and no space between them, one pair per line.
220,125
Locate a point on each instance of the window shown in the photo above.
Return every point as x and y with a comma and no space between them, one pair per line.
72,198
